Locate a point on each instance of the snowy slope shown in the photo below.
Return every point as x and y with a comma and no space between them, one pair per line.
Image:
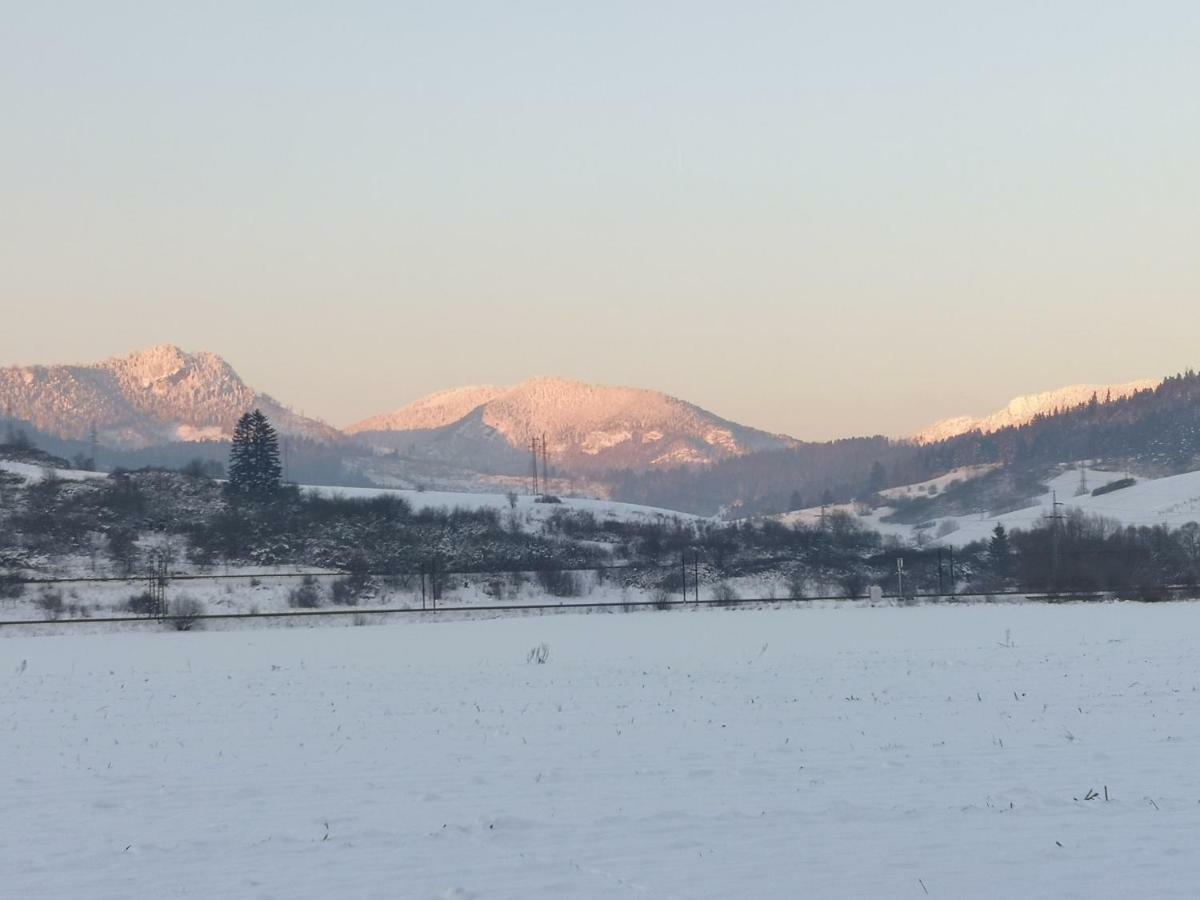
841,753
525,505
434,411
34,473
1171,501
153,396
586,427
935,485
1022,410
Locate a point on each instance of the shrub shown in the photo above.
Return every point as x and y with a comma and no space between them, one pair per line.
559,583
661,598
724,593
343,592
185,613
11,587
540,655
50,603
307,595
797,584
142,604
853,584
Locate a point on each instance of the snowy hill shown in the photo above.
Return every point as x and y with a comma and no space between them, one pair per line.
1024,409
587,427
154,396
1171,501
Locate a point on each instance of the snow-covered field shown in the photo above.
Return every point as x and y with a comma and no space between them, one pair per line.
850,752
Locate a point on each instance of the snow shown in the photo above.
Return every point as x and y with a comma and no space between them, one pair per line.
1172,501
1024,409
939,484
143,399
32,473
527,507
834,753
435,411
581,422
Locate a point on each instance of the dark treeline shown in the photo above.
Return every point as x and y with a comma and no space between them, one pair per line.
776,481
1158,430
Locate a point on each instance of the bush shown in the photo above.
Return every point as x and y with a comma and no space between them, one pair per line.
853,584
724,593
185,613
142,604
50,603
307,595
343,592
559,583
539,655
661,598
11,587
796,586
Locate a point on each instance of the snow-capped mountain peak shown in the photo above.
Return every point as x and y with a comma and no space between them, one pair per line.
1025,408
585,426
153,396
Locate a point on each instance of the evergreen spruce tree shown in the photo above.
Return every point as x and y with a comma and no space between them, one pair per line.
254,468
265,444
878,478
240,465
998,551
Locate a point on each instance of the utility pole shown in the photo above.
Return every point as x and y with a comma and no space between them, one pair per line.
822,516
683,572
940,586
534,449
696,572
899,576
545,466
1055,517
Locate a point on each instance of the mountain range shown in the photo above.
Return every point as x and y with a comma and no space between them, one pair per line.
164,406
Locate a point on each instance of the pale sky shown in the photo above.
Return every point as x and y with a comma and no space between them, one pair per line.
816,218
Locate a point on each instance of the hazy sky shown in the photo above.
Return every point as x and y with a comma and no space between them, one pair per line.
818,218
